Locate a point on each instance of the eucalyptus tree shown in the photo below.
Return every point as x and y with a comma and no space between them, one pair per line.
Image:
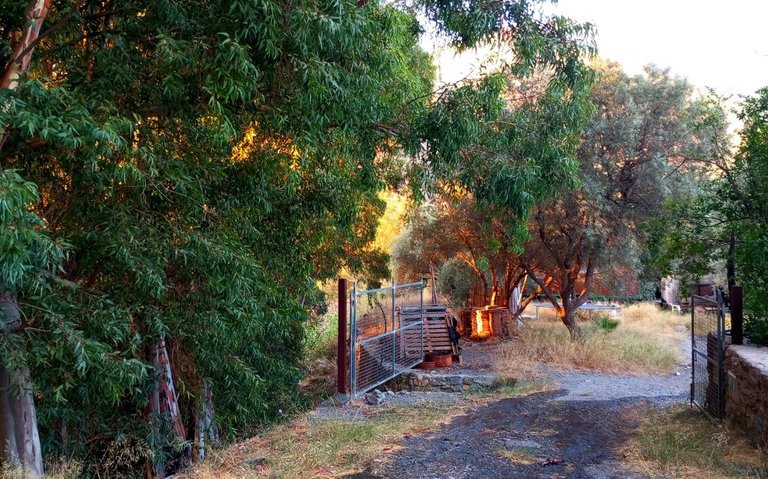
176,176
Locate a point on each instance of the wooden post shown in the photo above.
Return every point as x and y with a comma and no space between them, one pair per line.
342,346
737,315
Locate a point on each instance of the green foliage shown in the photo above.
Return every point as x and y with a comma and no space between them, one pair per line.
725,218
607,324
320,338
455,279
27,251
205,163
632,159
748,210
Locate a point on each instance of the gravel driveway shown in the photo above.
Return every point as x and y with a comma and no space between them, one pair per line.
577,431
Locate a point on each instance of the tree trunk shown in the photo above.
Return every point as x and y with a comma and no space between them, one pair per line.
18,418
568,316
163,401
19,437
206,432
730,265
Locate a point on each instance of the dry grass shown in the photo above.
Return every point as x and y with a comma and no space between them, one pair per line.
518,457
326,448
647,340
67,469
681,442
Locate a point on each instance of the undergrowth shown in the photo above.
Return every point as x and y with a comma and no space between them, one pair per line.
682,442
645,340
320,358
323,447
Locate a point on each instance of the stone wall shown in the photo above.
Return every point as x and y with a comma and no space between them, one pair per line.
447,381
747,392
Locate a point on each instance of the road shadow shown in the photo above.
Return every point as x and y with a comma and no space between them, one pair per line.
533,436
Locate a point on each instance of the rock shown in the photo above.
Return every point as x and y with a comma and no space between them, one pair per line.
254,462
337,399
374,399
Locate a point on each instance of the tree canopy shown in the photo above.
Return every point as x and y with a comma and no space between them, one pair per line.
633,157
722,221
176,176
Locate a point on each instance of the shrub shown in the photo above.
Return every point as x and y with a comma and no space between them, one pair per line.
607,324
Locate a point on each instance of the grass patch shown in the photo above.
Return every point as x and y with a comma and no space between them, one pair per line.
54,469
323,448
682,442
507,388
646,340
607,324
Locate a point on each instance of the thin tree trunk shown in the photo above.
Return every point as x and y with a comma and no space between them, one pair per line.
21,56
19,438
206,432
730,265
163,401
568,312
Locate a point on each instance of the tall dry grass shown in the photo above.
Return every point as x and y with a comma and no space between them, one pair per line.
681,442
326,448
646,340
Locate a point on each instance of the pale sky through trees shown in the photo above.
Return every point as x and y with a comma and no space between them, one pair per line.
713,43
723,45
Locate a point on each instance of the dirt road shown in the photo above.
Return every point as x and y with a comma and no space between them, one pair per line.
579,431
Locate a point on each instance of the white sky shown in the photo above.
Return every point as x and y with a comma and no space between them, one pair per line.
713,43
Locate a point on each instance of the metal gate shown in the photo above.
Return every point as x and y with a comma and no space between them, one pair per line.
386,333
707,356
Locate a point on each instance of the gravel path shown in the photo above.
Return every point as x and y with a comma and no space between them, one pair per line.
577,431
595,386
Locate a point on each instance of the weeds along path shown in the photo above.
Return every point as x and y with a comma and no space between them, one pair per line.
578,431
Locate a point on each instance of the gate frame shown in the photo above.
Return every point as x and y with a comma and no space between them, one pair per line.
353,342
719,361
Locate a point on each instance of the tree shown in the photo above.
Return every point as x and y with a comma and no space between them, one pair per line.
447,232
749,211
202,164
723,221
632,158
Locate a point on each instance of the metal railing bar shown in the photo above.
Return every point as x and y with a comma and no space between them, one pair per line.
389,288
388,333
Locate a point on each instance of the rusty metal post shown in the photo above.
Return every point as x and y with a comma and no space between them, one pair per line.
737,314
342,346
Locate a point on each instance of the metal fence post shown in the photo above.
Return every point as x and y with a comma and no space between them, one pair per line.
421,317
342,344
721,361
737,314
353,341
693,348
394,334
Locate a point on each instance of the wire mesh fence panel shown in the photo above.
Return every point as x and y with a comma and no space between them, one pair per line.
707,337
386,333
409,350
